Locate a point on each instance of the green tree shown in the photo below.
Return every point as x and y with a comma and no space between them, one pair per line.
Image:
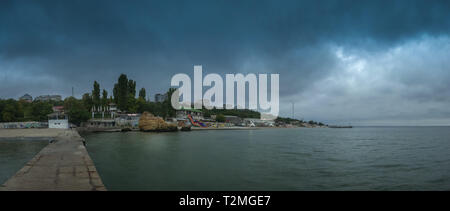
14,111
143,105
76,110
142,93
132,107
40,110
96,95
104,98
116,93
220,118
132,88
87,101
8,113
122,92
168,110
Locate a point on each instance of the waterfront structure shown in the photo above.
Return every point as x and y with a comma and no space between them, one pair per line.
58,120
27,98
106,112
112,108
99,123
184,112
258,122
159,98
49,98
128,120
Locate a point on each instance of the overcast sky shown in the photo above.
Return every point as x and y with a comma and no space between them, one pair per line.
358,62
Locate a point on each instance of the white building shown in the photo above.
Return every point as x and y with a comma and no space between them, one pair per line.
58,123
57,120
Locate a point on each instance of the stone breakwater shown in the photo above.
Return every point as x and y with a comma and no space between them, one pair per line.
63,165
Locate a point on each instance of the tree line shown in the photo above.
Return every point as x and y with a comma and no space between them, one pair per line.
18,111
79,110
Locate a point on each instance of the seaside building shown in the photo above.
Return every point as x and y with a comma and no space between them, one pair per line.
104,112
120,121
99,123
49,97
159,98
58,120
128,120
251,122
184,112
27,98
112,108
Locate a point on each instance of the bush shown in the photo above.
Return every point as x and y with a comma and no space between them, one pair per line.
220,118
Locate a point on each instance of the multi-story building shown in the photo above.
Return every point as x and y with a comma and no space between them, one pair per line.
49,97
159,98
26,98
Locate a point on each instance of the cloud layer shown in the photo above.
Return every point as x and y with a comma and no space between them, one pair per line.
362,62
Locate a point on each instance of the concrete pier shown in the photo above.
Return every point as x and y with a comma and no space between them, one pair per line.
63,165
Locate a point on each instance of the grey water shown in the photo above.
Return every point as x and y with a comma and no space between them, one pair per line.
14,154
361,158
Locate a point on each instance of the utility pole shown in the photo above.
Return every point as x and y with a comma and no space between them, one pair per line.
72,91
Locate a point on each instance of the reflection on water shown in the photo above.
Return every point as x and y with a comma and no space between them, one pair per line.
366,158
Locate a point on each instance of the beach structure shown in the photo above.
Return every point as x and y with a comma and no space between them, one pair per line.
113,108
128,120
58,120
104,112
252,122
99,123
183,113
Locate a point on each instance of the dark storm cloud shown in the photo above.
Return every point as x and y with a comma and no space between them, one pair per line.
58,44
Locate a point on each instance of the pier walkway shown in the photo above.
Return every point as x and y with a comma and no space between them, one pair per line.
63,165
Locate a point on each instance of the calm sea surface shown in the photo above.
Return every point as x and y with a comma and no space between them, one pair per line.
365,158
14,154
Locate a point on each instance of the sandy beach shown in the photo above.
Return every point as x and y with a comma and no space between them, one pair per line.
32,133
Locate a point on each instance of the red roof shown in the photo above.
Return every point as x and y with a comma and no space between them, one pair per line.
58,108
